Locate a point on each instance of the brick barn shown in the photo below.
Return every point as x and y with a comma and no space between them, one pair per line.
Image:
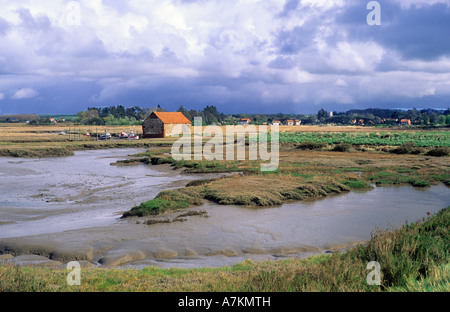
161,124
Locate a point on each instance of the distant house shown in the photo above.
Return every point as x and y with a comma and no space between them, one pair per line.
298,122
358,122
244,121
405,122
276,122
161,124
289,122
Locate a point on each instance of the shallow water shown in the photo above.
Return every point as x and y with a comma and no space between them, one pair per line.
59,194
77,201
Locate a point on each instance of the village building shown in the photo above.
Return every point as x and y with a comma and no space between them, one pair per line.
244,121
276,122
289,122
298,122
405,122
161,124
358,122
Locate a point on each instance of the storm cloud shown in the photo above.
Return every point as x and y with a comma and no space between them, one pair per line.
243,56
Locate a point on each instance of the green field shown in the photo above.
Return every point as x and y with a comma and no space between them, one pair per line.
418,138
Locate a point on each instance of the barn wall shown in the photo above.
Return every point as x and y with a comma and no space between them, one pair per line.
169,127
153,128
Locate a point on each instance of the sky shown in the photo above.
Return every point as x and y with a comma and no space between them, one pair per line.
243,56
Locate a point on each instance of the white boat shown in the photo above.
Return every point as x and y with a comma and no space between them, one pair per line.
133,136
105,136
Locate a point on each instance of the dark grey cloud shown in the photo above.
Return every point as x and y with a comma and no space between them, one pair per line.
289,6
294,40
283,62
31,23
416,32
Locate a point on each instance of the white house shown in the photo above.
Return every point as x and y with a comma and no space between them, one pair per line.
244,121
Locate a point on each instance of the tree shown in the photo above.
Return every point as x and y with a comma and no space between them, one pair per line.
92,114
396,114
434,118
412,115
185,112
211,114
322,115
181,109
309,119
160,109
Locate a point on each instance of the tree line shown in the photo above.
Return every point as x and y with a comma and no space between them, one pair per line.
119,115
378,116
135,115
114,115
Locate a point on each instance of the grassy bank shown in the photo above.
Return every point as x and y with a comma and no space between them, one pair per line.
413,258
237,190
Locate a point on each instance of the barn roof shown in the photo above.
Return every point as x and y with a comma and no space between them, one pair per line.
172,118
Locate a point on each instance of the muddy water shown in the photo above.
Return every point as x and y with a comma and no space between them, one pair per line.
70,208
60,194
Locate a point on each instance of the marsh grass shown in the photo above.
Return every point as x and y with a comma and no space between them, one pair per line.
253,191
155,207
439,151
412,253
415,178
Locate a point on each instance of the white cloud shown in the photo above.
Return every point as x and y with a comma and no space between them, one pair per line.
25,93
341,83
